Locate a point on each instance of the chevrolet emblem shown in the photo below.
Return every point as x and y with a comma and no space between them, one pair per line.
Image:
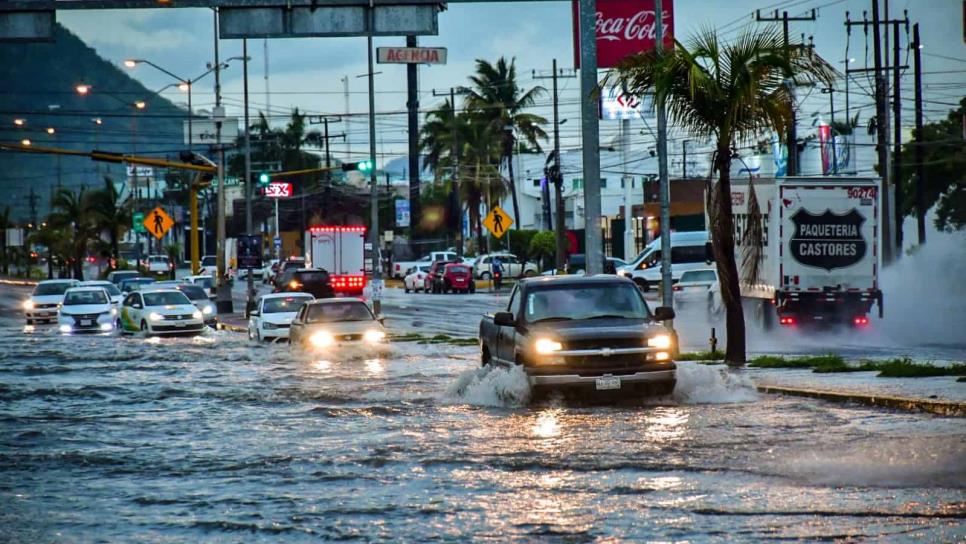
605,352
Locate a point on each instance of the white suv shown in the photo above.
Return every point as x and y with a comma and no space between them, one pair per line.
512,267
159,264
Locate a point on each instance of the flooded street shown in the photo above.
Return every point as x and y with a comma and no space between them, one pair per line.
219,439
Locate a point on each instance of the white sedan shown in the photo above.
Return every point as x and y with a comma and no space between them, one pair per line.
273,314
415,279
160,311
112,291
86,309
696,286
45,300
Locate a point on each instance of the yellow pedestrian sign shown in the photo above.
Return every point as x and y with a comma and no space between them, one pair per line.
497,222
158,222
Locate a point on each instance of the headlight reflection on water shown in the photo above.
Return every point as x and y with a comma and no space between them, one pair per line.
375,366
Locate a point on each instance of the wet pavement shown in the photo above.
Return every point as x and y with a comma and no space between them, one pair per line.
219,439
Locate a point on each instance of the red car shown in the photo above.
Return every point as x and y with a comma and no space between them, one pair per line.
454,278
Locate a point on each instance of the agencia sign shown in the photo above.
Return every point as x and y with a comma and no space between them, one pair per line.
205,132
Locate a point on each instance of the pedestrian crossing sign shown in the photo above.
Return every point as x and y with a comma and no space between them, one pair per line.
158,222
497,222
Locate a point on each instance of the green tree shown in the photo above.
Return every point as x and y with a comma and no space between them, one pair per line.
944,171
543,245
110,213
500,102
731,93
72,210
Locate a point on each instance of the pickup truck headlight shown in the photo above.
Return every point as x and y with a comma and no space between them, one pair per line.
208,310
661,341
546,346
373,336
28,304
196,314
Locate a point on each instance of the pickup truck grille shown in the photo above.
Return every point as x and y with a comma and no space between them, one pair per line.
600,343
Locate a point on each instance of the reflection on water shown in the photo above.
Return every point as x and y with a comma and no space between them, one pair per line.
217,439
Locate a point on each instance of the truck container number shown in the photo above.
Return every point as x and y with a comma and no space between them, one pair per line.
861,192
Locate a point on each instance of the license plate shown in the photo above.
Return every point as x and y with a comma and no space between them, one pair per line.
180,324
608,382
86,323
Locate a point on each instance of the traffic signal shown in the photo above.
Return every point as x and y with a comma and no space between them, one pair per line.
263,179
362,166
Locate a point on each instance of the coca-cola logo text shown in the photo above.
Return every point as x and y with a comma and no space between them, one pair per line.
639,26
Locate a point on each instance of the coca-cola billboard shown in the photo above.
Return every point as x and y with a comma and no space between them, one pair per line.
624,27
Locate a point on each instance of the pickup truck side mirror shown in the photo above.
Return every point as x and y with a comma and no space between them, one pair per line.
663,313
504,319
381,319
254,313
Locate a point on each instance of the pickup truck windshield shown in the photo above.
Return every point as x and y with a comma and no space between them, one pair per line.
585,302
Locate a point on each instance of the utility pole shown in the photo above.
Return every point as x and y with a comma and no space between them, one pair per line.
920,212
222,289
454,194
590,136
374,187
325,120
667,296
792,135
348,119
883,148
684,159
250,303
557,170
412,110
897,131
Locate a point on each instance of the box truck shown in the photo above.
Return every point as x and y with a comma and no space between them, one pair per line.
340,251
821,256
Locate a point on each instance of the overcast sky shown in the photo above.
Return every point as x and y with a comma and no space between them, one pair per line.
308,73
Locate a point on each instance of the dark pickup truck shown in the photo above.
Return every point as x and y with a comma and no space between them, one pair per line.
592,333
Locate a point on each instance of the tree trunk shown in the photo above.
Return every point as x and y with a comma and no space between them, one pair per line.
115,247
723,245
513,185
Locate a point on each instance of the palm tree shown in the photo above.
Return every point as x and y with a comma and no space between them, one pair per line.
73,210
110,213
730,92
497,97
479,174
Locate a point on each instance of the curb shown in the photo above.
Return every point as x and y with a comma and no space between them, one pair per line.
939,407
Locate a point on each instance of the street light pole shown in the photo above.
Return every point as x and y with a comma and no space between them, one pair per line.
248,176
665,186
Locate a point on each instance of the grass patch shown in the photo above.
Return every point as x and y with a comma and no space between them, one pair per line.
407,337
906,368
962,379
447,339
700,356
831,363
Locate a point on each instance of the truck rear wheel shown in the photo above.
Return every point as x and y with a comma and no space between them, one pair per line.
642,283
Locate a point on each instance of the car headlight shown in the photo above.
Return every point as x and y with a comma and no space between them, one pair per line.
196,314
28,304
155,316
374,336
269,326
107,326
208,310
546,346
65,328
321,339
294,284
661,341
113,311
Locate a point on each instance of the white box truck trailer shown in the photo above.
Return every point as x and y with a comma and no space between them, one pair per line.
340,251
821,256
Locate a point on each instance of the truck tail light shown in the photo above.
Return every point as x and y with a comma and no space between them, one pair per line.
861,321
347,283
787,320
677,288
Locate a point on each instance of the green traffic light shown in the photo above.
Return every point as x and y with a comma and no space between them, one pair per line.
263,178
365,166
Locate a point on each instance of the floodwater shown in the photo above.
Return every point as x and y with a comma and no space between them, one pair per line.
216,439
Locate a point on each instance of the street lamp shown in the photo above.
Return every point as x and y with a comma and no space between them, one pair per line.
19,122
82,89
140,104
51,130
25,142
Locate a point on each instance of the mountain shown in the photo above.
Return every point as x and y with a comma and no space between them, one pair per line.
38,85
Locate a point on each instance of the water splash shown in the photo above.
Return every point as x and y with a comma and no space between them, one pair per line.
490,386
703,384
